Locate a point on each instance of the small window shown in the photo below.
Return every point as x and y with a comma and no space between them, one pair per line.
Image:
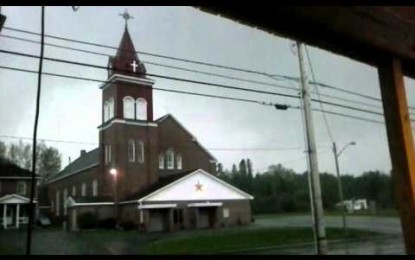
106,114
21,188
131,150
83,190
73,191
94,188
170,159
161,161
128,105
111,108
107,154
141,109
225,213
179,161
140,151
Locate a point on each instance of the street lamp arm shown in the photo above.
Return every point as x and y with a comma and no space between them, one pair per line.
351,143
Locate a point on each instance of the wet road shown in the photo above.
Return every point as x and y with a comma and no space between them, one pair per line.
389,242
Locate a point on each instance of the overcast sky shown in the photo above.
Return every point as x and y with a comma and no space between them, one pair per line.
70,109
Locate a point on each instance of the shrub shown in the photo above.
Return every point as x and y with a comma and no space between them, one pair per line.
87,220
128,225
108,223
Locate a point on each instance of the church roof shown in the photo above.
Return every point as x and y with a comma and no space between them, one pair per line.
92,199
126,47
87,160
163,181
9,169
162,119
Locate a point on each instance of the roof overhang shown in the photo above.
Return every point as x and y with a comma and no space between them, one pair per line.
366,34
70,202
204,204
157,206
126,79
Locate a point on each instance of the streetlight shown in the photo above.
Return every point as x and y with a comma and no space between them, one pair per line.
339,183
113,172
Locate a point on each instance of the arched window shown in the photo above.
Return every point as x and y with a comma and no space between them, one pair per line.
128,104
94,188
131,150
73,191
111,108
170,159
179,161
140,151
65,196
141,109
106,114
83,190
161,161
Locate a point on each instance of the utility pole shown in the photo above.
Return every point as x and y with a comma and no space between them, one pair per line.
318,214
339,183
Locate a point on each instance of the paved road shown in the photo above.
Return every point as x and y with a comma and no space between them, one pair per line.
390,242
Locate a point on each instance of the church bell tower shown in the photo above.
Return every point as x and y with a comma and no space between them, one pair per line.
128,134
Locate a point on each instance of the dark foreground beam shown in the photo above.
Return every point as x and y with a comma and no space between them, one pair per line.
401,145
2,20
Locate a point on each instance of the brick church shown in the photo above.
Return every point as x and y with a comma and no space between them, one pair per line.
151,172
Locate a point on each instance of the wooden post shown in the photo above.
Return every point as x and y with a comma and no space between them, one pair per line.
17,215
401,146
5,216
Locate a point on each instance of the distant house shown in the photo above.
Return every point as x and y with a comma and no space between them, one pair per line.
14,195
354,205
149,172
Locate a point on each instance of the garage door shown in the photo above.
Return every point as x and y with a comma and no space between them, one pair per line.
156,221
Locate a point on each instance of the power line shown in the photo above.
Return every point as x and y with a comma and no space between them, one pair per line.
199,62
196,71
157,76
190,93
143,53
318,95
213,149
156,64
198,82
204,73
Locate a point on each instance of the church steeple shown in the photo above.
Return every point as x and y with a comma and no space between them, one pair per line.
126,61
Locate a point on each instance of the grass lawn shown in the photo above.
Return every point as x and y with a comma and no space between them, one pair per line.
366,213
243,239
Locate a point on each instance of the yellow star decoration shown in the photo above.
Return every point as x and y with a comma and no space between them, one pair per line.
198,186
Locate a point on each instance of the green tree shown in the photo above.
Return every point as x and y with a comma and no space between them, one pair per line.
3,150
50,162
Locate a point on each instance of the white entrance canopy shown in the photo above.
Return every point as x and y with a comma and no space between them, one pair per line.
157,206
205,204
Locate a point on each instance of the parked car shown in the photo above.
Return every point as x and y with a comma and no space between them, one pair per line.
43,220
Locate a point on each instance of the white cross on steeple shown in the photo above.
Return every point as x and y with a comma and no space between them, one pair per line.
134,65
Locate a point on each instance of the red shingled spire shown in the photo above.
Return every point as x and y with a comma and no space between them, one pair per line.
126,61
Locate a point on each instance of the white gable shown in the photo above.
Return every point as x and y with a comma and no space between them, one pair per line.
198,185
14,199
